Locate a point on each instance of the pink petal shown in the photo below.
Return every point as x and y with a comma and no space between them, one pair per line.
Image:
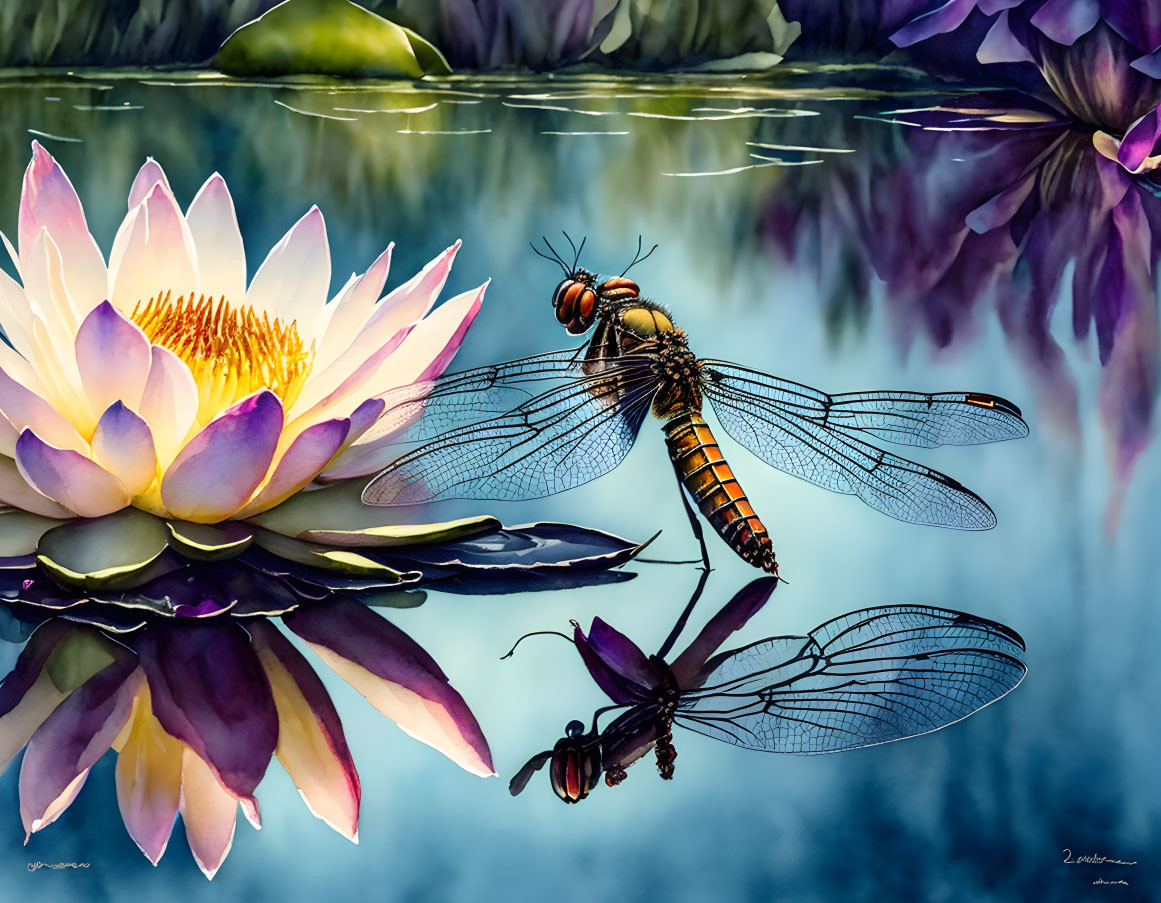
49,201
292,282
158,253
431,345
15,491
147,176
219,469
394,314
68,477
311,744
214,227
113,358
148,780
123,445
396,676
307,456
72,739
169,403
208,812
353,308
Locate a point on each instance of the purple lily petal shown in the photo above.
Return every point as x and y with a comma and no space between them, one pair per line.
1149,64
1000,45
946,18
397,676
1064,21
218,470
311,744
733,616
1140,141
210,691
73,738
113,358
622,655
123,445
69,478
307,455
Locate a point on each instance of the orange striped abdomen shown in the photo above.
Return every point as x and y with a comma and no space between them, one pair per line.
709,479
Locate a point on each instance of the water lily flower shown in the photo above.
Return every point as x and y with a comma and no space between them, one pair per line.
195,708
161,380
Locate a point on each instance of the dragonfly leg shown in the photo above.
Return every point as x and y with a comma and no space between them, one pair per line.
694,523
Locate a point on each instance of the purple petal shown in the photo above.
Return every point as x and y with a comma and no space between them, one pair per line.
74,737
1066,20
218,470
946,18
614,684
397,676
1140,141
69,478
1150,64
733,616
1000,45
209,691
113,357
622,655
31,660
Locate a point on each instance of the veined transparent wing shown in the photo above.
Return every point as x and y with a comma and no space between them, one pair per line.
868,677
816,437
551,442
925,419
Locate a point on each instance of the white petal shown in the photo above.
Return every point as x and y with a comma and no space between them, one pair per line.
214,227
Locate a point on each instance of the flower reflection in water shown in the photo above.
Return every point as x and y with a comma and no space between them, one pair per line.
867,677
171,657
1007,199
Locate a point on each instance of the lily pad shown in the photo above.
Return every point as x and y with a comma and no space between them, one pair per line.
344,561
20,531
539,548
404,534
327,37
116,551
209,542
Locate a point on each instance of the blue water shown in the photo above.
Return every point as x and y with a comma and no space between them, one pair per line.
981,811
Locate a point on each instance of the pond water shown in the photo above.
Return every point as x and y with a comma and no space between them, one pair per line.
808,228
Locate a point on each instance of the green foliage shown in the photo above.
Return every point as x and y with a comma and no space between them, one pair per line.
327,37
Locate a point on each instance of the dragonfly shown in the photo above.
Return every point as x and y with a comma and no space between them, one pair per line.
540,425
868,677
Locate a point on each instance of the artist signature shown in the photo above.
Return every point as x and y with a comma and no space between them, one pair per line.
1097,859
33,866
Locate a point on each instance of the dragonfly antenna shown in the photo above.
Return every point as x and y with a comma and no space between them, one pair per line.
534,633
637,258
576,251
555,258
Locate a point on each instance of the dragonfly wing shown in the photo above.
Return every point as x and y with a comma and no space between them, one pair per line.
552,442
868,677
922,419
796,436
426,409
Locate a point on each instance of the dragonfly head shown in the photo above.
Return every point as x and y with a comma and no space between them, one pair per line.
575,301
576,763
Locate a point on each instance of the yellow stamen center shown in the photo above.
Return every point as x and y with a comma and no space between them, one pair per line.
231,352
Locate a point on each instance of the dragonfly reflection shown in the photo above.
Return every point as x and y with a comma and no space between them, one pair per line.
868,677
547,423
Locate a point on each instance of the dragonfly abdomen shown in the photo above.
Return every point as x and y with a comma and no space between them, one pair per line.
706,474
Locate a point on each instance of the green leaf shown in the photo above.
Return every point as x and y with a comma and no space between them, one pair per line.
327,37
342,561
337,516
114,551
20,531
209,542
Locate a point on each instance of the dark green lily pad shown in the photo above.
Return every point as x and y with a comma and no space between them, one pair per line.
209,542
327,37
119,550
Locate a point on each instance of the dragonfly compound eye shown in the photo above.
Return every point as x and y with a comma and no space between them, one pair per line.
576,768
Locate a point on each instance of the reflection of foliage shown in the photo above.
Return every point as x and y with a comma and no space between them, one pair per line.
474,34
